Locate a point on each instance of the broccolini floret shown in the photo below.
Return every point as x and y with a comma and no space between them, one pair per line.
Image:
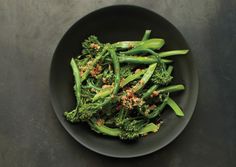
91,46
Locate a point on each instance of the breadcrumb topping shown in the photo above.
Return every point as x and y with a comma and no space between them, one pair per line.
129,100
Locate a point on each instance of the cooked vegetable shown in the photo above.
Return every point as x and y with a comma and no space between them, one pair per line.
121,89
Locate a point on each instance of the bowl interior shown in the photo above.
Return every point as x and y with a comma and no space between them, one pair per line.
118,23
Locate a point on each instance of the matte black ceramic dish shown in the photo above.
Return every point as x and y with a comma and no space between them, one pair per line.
112,24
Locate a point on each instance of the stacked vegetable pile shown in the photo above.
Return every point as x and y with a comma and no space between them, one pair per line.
122,88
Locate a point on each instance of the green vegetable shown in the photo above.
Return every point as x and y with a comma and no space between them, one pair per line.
146,35
76,74
146,46
172,53
132,77
140,59
116,69
154,87
103,93
125,135
175,107
88,48
94,62
123,45
145,78
158,109
171,89
73,115
121,88
149,91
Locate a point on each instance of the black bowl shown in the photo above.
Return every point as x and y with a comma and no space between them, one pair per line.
117,23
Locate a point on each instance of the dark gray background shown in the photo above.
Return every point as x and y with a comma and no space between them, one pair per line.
30,134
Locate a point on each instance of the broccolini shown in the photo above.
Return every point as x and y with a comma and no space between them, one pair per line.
122,88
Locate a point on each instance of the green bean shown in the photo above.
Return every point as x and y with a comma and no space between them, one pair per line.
145,78
131,78
116,65
172,53
175,107
146,35
76,74
94,62
172,88
151,127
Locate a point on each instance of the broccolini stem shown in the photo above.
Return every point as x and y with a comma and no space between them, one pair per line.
146,46
131,78
146,35
137,60
77,87
102,94
122,45
151,127
175,107
116,65
91,85
145,78
104,129
141,60
170,69
172,53
166,61
172,88
149,91
154,87
94,62
158,109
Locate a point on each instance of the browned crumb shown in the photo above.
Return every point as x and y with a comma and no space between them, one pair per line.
144,134
118,107
96,70
82,70
141,82
121,80
109,67
107,86
104,80
100,122
89,63
94,46
137,70
130,100
154,94
130,45
93,90
152,107
146,112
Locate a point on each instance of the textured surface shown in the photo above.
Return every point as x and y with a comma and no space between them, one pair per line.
30,134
